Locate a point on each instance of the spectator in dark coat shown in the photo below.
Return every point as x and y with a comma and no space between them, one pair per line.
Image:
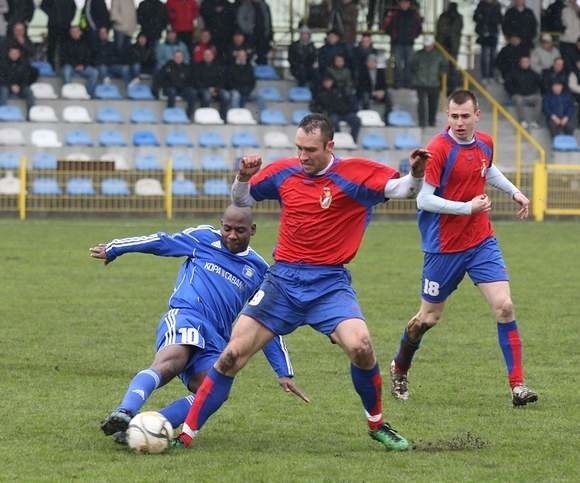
372,86
342,75
333,46
525,88
182,17
510,55
364,48
153,18
210,83
219,18
108,61
97,17
521,21
263,31
302,57
556,73
559,109
241,80
487,18
60,15
16,76
142,58
176,79
238,42
448,34
76,58
18,37
20,11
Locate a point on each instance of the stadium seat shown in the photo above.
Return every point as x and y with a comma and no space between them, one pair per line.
299,94
374,141
143,115
45,187
175,115
9,184
244,139
110,137
207,115
276,139
401,119
145,138
240,116
406,140
11,136
216,187
404,166
42,114
565,142
43,90
80,187
45,138
273,117
74,90
183,187
11,114
117,158
370,118
213,162
140,92
182,162
148,162
108,91
78,137
298,115
109,115
44,68
211,139
77,157
265,72
148,187
76,114
178,139
269,94
115,187
9,160
44,161
344,140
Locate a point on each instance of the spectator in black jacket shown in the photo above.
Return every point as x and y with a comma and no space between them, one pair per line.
76,57
16,76
556,73
263,31
333,46
238,42
302,57
521,21
364,48
219,18
525,88
97,17
560,111
108,61
176,79
20,11
372,86
509,56
60,15
210,83
241,80
153,18
487,18
142,58
18,37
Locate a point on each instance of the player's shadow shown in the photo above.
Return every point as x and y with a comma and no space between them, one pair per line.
460,442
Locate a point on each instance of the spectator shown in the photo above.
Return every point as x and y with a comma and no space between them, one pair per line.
342,75
210,83
333,46
337,105
75,57
344,18
19,38
142,58
263,31
20,11
569,36
108,61
302,58
543,55
204,43
153,18
427,66
165,50
219,18
16,76
487,18
403,25
510,55
364,48
241,80
176,79
559,109
97,17
238,43
182,17
3,23
556,73
520,20
448,34
524,87
124,21
551,20
574,84
60,15
372,86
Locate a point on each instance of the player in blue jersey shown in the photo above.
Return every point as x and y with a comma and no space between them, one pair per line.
220,273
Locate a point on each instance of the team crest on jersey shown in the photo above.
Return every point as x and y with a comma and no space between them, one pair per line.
483,167
248,271
325,198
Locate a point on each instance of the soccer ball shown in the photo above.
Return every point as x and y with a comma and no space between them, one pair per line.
149,432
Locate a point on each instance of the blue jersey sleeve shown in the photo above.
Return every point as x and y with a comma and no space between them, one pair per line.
277,354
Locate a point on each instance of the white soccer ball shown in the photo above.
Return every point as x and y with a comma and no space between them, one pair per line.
149,432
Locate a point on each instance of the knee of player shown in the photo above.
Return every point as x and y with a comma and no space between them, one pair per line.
362,350
504,309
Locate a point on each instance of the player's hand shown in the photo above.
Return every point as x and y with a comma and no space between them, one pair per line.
418,161
249,166
98,252
480,203
524,203
289,386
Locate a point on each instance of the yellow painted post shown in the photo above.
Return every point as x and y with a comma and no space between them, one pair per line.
495,132
22,191
169,188
465,81
443,92
540,193
518,158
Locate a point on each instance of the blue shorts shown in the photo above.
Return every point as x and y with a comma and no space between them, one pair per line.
443,272
189,327
293,295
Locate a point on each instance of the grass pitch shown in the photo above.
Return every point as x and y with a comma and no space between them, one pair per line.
73,333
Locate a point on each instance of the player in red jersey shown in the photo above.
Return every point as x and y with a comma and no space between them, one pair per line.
458,238
326,203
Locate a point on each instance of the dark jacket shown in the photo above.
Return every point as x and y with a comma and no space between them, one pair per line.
365,81
487,18
176,75
27,48
332,101
60,12
448,30
106,54
301,54
219,19
142,55
403,26
75,52
508,58
561,105
241,78
209,75
549,76
523,24
20,11
153,18
18,72
327,52
97,14
523,82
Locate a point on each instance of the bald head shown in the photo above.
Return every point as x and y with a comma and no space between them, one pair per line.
237,228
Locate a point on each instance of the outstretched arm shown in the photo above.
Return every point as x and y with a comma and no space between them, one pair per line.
409,185
429,201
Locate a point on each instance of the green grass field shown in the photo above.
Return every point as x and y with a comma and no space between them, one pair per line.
73,333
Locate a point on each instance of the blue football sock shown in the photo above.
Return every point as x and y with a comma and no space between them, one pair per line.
406,353
368,385
177,410
139,390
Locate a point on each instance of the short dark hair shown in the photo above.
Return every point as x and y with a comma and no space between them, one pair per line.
312,122
461,96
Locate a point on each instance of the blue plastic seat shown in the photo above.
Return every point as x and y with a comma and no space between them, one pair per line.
80,187
273,117
111,138
177,139
265,72
148,162
11,114
269,94
44,161
109,114
213,162
216,187
299,94
115,187
143,115
211,139
9,160
404,166
182,162
107,91
401,119
298,115
406,140
46,186
78,137
183,187
175,115
140,92
44,68
374,141
565,142
244,139
145,138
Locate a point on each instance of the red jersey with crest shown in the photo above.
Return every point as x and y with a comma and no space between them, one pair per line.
458,173
323,218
